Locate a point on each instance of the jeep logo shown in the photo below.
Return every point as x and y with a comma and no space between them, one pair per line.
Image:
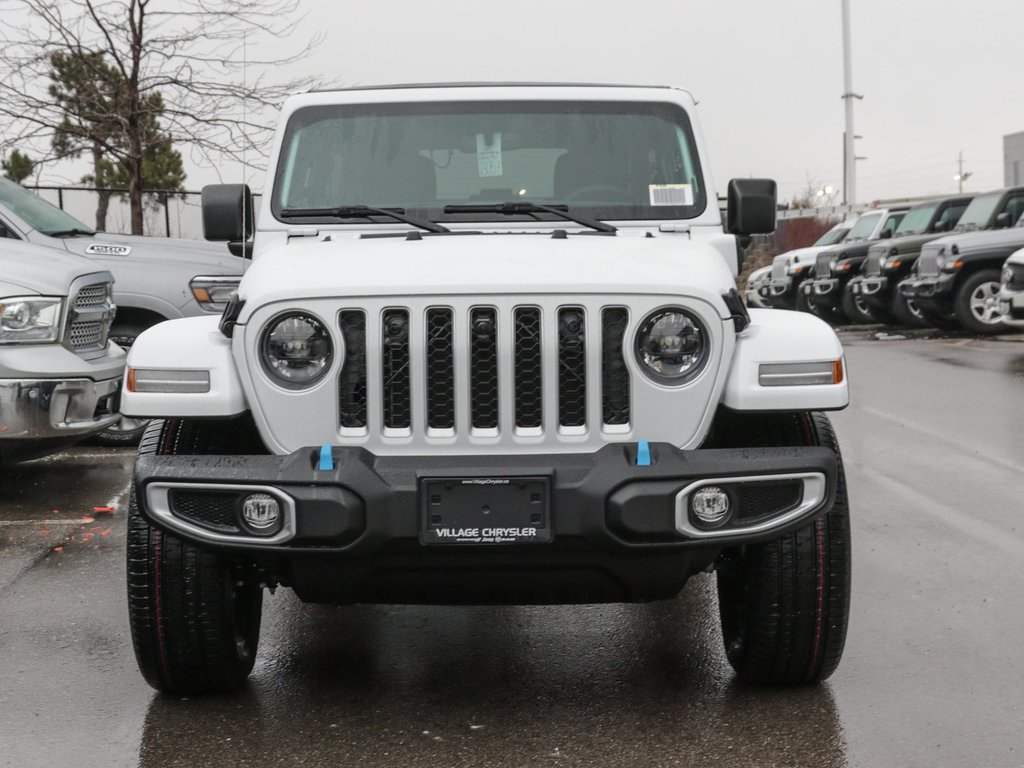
107,249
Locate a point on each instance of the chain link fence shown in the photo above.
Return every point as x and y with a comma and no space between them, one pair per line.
165,214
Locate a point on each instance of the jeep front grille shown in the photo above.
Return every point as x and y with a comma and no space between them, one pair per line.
823,265
873,265
778,270
928,264
502,354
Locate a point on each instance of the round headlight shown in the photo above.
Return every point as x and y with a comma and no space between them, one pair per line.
833,263
296,349
671,345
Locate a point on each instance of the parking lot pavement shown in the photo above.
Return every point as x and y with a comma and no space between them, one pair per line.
934,449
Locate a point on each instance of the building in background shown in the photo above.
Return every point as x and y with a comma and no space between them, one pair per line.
1013,159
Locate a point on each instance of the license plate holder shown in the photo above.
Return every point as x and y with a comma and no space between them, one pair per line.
485,511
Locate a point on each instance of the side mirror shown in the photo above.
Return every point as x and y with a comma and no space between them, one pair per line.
885,234
1003,220
751,207
227,212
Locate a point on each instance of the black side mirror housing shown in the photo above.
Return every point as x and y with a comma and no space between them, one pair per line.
751,207
885,234
1003,220
227,212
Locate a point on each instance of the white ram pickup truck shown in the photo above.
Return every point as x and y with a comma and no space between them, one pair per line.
490,351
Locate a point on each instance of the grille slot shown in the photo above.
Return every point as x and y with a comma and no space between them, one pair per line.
529,380
208,509
614,373
483,372
572,367
440,369
769,497
873,265
91,296
395,369
1016,277
86,335
352,382
822,265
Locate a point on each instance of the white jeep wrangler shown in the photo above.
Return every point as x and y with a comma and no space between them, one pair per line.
490,350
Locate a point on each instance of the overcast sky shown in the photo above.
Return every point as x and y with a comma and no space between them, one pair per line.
936,77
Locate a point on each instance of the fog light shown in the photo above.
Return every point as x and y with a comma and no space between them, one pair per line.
711,505
261,512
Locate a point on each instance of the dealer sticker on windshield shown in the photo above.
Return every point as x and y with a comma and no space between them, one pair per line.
670,194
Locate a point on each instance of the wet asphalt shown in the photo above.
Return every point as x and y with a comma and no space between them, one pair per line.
932,676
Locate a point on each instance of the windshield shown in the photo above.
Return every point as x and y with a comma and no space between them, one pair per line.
833,236
35,211
916,220
615,160
864,227
980,211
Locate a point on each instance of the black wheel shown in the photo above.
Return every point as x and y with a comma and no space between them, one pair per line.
785,604
194,613
907,312
977,303
856,309
830,315
127,431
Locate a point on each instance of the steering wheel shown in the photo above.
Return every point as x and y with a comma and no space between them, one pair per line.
602,192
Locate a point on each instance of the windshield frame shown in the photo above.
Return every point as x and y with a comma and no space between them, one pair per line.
28,207
672,111
995,197
933,209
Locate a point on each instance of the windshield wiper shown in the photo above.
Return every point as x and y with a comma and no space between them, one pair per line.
526,207
362,212
70,233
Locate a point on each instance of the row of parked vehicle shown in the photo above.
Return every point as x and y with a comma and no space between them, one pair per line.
70,299
944,263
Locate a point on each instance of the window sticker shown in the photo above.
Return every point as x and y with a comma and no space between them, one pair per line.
488,155
670,194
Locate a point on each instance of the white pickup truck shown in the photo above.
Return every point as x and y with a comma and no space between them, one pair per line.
156,278
490,350
60,376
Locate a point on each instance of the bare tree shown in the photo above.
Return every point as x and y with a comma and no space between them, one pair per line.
194,54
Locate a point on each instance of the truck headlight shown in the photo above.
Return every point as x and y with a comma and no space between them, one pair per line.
30,320
296,349
671,345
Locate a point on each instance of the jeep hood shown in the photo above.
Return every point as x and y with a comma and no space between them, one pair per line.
35,269
983,240
206,258
487,264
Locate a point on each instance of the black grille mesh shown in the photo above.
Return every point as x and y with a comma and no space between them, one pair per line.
209,509
528,379
614,374
767,498
395,369
352,383
483,378
440,369
1016,277
572,367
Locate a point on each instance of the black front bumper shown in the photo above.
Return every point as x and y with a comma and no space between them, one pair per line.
931,292
355,532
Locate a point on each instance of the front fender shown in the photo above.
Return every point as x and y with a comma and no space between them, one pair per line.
187,344
782,336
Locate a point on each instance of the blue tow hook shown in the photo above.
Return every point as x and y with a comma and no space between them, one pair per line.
326,458
643,453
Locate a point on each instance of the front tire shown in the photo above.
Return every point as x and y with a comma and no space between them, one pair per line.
856,309
784,604
194,614
977,303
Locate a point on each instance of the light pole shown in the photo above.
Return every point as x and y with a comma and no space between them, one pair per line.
849,154
961,175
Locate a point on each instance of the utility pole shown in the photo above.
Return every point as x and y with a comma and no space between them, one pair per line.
961,175
849,153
